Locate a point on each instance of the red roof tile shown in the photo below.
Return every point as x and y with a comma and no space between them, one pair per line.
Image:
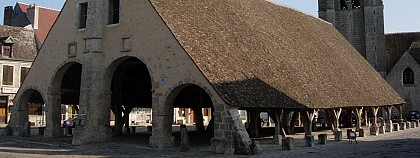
46,20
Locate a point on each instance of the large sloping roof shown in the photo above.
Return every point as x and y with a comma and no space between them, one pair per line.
47,17
24,47
414,51
397,44
259,54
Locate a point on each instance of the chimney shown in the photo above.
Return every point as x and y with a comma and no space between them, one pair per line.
33,15
8,12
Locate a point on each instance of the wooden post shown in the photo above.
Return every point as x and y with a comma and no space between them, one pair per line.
375,115
400,110
335,113
255,123
295,120
285,121
279,131
310,114
358,111
389,111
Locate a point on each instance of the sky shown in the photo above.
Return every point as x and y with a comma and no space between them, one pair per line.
400,15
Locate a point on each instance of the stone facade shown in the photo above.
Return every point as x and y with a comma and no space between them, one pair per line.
409,92
362,23
100,48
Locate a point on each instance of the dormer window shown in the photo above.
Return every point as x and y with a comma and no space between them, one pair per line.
7,51
114,12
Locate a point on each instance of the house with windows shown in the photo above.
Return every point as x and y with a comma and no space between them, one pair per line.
17,51
24,31
403,50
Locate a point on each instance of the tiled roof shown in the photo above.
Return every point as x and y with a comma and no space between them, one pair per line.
414,51
47,17
397,44
24,47
257,54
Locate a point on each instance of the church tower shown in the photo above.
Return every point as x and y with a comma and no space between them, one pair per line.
362,23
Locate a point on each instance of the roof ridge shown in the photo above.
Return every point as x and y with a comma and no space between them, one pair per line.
30,5
396,33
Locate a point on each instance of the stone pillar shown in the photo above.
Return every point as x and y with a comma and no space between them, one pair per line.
53,115
402,126
413,124
162,124
93,120
19,116
396,126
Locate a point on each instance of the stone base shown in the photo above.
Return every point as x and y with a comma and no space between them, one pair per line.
162,142
417,123
309,140
382,130
287,143
413,124
322,139
217,146
388,127
338,135
408,125
403,126
277,139
373,131
256,148
396,127
361,132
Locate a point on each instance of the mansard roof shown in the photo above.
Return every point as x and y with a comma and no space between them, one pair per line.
24,47
258,54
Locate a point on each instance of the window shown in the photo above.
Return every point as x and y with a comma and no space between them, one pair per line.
408,76
23,72
7,51
7,75
83,15
114,12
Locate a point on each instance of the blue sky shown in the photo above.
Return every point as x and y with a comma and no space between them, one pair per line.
400,15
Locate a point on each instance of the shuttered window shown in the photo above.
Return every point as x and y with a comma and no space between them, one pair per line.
23,72
7,75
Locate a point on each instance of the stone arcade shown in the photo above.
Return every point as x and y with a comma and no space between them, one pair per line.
226,55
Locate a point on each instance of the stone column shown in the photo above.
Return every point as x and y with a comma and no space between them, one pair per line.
93,119
162,124
53,115
19,117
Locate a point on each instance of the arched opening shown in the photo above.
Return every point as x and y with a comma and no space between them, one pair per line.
65,95
408,76
36,109
192,106
131,99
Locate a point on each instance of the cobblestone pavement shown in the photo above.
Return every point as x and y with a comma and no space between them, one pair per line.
397,144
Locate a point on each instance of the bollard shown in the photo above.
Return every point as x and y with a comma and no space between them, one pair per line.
322,139
413,124
184,145
408,125
287,143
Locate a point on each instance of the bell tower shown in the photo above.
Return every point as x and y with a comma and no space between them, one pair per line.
362,23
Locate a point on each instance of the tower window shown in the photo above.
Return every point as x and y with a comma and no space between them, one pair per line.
114,12
408,76
83,15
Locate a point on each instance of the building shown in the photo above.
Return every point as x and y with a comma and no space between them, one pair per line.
24,31
403,51
17,49
362,23
225,55
39,18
